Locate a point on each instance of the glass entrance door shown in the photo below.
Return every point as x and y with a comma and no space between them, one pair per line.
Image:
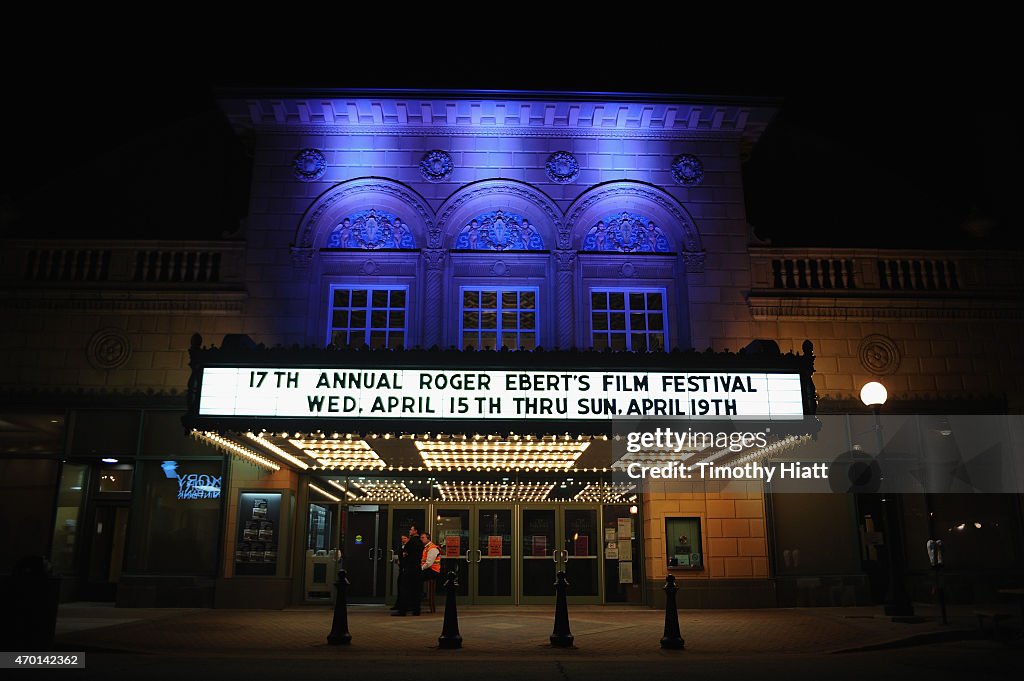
364,552
453,534
540,554
507,553
476,543
491,569
556,538
580,528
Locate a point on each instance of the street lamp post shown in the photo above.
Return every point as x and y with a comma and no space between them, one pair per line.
897,600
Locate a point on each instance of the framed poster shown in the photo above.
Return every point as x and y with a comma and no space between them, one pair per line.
494,545
625,528
582,546
540,545
452,546
259,517
625,572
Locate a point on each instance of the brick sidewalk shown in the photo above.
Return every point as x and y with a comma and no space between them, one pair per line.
515,631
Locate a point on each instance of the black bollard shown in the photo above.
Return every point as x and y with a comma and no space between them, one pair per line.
672,639
339,635
561,637
450,637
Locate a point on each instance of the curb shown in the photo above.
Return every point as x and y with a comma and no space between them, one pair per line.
918,640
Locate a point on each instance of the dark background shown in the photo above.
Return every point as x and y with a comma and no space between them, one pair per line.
920,151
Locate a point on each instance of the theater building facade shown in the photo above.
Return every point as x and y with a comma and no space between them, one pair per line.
436,306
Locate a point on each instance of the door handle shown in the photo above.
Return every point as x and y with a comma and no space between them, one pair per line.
554,555
479,555
391,555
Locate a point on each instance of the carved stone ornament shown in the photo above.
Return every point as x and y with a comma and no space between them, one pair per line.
302,257
309,165
434,258
626,233
437,166
500,269
369,267
879,354
108,349
499,231
564,238
313,222
694,261
562,167
371,230
566,260
627,269
687,169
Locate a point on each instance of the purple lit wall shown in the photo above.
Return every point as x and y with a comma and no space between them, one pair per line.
561,197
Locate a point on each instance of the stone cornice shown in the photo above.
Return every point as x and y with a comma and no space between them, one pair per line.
55,397
883,305
200,302
467,131
497,113
838,402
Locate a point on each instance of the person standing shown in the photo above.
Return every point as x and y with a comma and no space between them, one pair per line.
409,575
430,569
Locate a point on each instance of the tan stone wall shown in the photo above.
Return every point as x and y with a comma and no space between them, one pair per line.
732,528
940,358
49,349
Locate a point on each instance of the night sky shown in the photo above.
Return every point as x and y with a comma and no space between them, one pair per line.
917,156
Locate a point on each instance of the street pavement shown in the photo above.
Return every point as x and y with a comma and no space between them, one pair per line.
611,642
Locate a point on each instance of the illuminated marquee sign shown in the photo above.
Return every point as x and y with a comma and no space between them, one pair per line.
485,394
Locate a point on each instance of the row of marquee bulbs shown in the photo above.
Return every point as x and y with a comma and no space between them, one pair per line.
232,447
328,464
485,491
503,491
401,494
439,437
461,468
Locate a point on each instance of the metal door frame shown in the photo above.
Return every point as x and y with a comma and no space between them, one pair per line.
468,575
560,563
513,598
598,598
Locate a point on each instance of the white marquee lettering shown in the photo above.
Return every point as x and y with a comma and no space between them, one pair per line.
374,392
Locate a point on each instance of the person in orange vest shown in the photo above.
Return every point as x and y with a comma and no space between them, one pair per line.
430,568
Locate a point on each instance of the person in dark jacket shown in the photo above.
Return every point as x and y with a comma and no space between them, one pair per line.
409,587
397,559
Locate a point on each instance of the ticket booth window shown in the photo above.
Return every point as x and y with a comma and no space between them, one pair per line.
683,544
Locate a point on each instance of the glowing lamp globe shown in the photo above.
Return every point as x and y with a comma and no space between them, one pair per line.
873,394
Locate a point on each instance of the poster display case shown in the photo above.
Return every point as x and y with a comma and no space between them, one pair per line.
258,534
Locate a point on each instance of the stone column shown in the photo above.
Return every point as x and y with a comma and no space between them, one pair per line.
565,319
433,298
